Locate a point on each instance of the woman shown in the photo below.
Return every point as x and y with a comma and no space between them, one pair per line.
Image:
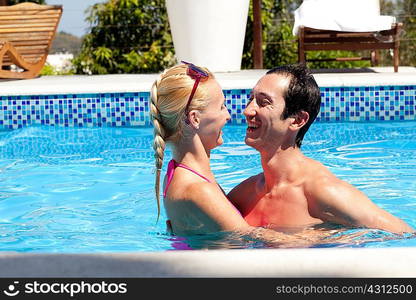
188,112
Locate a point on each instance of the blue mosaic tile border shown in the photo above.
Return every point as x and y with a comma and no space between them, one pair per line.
80,110
376,103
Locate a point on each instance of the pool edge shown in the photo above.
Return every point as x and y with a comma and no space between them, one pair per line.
323,262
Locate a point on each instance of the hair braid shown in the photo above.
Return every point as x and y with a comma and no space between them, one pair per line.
159,143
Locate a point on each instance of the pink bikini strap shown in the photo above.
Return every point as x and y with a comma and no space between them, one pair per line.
193,171
171,170
169,175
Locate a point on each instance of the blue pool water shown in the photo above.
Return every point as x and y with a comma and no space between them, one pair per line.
91,189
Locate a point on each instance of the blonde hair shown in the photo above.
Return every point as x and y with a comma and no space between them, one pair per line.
169,96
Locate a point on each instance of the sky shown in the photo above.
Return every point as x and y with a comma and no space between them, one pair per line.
73,17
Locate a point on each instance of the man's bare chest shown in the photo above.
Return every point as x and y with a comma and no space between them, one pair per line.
284,205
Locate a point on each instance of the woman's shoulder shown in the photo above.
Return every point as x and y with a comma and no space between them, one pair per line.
189,188
202,191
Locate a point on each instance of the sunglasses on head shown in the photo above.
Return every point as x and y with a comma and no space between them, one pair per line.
196,74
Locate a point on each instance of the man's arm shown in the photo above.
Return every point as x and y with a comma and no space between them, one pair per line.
337,201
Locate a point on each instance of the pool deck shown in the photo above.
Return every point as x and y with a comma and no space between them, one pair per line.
327,262
245,79
310,263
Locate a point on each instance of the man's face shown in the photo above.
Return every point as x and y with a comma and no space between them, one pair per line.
266,129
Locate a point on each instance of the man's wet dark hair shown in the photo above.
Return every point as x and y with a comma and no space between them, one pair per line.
302,94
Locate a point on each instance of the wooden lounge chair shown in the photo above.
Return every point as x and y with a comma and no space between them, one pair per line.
26,34
310,39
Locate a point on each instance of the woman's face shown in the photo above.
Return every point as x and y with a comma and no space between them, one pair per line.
214,116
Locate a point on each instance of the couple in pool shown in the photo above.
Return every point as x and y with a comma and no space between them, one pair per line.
188,112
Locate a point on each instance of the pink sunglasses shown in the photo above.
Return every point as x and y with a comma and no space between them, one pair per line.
196,74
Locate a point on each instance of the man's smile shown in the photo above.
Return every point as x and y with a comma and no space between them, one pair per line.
252,126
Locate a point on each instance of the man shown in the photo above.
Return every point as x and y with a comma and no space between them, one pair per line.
293,190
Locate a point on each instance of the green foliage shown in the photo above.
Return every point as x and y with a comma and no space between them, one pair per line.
127,36
281,47
407,15
279,44
49,70
267,15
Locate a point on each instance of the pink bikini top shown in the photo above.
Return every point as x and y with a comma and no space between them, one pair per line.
169,173
171,170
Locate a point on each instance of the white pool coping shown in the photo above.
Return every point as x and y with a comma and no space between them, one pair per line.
245,79
307,263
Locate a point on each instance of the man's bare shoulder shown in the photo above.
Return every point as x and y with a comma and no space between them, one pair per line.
319,181
329,197
334,200
317,173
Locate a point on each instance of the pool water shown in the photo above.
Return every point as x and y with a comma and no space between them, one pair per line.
91,189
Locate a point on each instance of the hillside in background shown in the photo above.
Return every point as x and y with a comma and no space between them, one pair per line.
65,42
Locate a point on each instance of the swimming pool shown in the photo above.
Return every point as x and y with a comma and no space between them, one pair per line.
91,189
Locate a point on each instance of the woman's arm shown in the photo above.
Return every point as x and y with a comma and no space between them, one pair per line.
208,210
